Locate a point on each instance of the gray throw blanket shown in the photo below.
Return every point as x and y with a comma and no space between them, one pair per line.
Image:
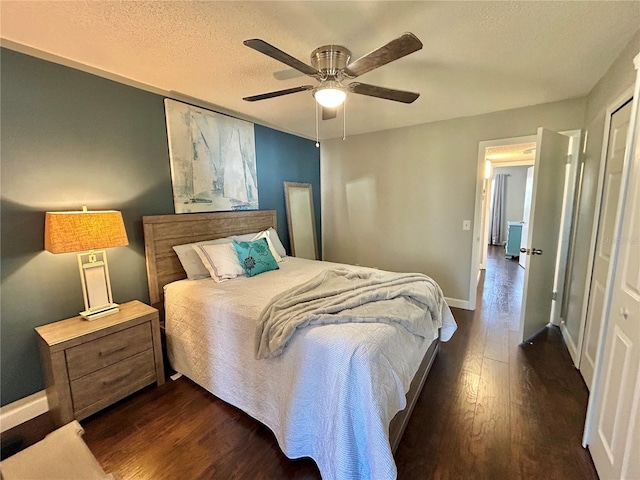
341,296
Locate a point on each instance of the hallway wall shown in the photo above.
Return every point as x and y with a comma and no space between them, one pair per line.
396,199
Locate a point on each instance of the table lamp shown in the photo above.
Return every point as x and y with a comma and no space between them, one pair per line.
89,233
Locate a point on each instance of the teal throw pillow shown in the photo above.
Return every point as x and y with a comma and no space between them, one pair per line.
255,257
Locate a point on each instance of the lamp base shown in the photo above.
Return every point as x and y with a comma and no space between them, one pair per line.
95,313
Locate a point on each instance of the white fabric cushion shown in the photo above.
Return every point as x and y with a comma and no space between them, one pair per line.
220,260
277,244
190,261
60,455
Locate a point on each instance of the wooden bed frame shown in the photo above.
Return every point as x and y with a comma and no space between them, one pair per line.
162,232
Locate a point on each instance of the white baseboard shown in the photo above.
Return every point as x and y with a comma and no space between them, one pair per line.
573,350
457,303
23,410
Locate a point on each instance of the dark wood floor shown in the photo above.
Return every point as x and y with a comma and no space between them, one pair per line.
490,409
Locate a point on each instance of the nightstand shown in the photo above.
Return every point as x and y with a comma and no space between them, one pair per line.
91,364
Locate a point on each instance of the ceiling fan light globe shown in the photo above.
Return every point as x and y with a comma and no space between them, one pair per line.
330,97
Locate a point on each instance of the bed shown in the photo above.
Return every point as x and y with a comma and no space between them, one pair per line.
334,395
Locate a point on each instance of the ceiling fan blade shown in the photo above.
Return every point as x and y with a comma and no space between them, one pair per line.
287,74
329,113
403,45
278,93
381,92
273,52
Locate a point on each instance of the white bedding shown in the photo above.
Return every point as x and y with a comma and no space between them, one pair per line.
330,396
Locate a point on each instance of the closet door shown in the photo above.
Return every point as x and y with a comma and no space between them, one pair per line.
604,244
614,422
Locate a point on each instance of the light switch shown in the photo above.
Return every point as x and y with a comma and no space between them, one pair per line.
466,224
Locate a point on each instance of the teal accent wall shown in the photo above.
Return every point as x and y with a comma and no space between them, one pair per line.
68,139
286,158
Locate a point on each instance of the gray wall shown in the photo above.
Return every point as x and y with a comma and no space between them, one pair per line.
71,139
612,85
397,199
516,182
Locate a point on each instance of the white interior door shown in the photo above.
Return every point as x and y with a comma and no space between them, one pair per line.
526,213
544,231
606,222
615,446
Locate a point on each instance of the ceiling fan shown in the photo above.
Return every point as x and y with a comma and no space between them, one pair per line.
330,66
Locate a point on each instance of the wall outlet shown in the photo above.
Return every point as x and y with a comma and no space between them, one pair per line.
466,224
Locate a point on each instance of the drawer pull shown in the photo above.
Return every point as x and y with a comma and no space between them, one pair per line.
106,383
109,351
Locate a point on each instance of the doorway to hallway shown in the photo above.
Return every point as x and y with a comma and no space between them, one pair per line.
504,299
556,157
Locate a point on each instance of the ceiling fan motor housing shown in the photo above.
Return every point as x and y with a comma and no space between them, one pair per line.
330,60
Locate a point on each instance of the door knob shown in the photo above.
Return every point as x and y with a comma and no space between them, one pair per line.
624,312
525,250
536,251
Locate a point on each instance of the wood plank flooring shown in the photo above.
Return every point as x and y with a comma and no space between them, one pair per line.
490,409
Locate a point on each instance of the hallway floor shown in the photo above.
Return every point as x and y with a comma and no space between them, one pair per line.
494,409
490,409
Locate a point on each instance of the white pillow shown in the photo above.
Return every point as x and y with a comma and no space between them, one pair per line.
277,244
220,260
191,263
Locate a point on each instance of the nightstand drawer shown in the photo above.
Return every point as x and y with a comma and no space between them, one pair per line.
108,381
105,351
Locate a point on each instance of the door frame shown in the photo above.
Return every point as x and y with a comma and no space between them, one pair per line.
566,221
481,186
575,350
484,247
478,251
528,196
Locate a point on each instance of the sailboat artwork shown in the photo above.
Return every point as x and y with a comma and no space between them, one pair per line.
213,160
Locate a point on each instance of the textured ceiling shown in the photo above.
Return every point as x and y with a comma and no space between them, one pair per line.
478,57
509,153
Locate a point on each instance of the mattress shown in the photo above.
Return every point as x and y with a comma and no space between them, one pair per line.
330,396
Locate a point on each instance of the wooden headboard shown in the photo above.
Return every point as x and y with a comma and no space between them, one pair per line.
162,232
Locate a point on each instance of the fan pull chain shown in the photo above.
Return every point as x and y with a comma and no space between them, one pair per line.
344,119
317,139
